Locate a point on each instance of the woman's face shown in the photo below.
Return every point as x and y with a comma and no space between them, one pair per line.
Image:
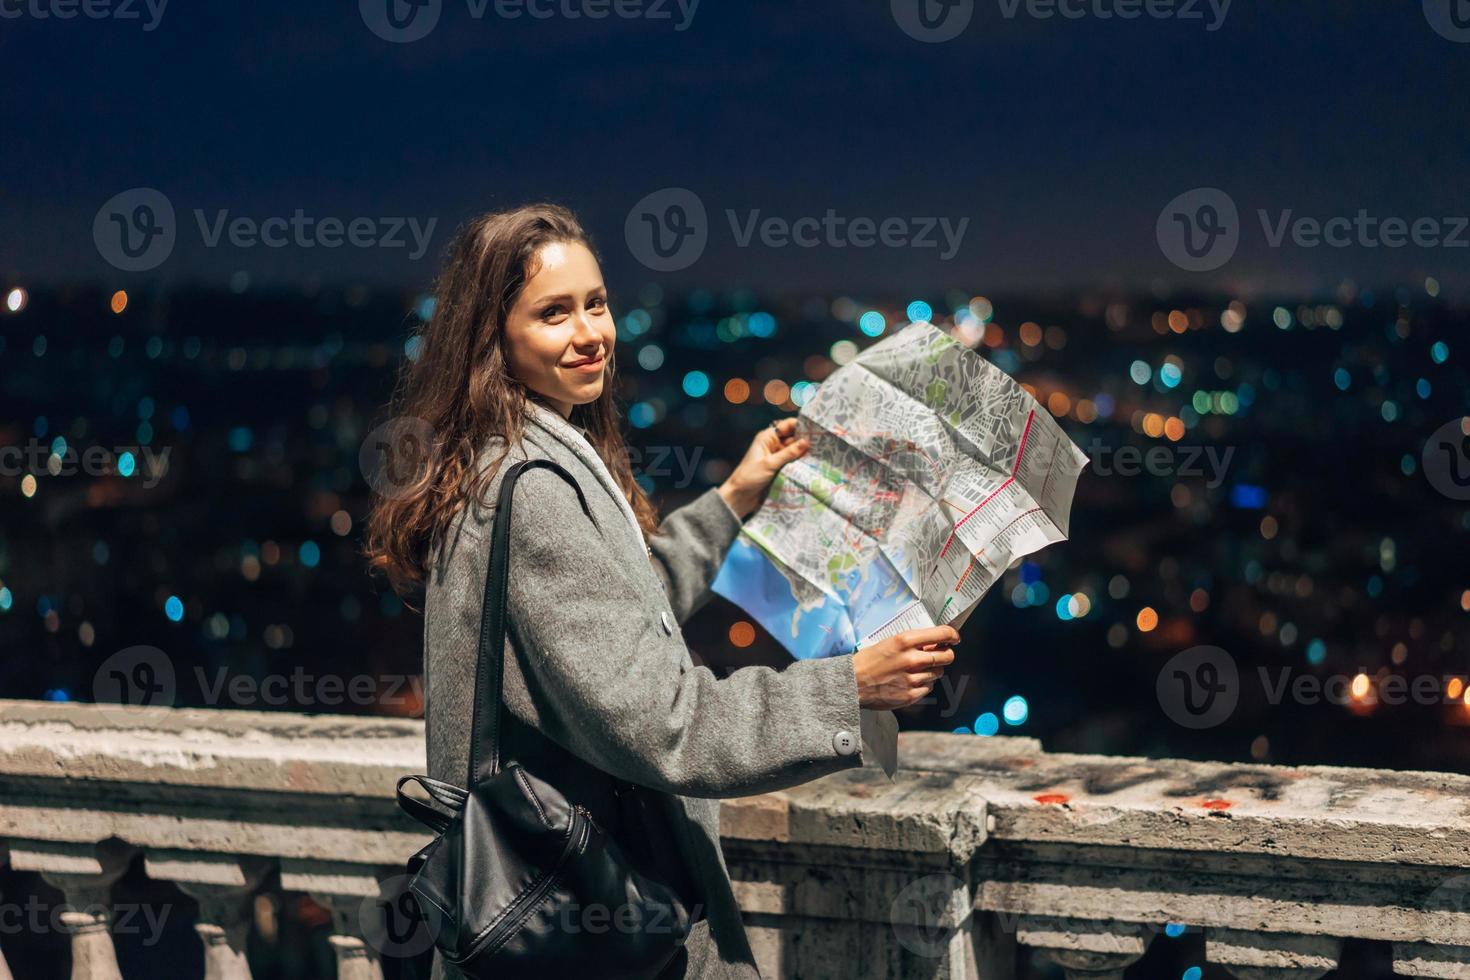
559,335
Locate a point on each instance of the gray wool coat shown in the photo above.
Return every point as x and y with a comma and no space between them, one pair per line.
598,675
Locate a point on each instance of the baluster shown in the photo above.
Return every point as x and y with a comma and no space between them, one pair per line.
85,874
938,933
222,885
345,890
1085,949
1431,960
4,968
1272,955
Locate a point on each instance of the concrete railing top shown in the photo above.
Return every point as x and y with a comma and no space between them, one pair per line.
952,793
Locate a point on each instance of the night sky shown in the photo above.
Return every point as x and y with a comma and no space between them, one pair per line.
1059,140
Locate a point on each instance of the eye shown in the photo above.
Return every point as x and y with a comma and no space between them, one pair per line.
553,313
597,303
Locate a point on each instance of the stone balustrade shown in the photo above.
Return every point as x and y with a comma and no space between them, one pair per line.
980,855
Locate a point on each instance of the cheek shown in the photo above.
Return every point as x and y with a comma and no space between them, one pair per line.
530,354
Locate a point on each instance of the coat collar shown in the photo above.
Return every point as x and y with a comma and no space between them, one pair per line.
575,441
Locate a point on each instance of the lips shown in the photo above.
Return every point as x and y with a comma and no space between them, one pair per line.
586,363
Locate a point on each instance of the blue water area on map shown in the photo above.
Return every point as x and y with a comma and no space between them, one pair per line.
751,580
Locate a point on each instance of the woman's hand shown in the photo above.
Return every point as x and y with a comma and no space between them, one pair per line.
897,671
772,448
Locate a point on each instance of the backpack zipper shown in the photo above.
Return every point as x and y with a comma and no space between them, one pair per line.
578,830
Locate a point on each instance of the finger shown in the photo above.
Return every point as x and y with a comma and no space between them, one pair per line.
925,677
785,427
916,660
794,451
920,693
945,635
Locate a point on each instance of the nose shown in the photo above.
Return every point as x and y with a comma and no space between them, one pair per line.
585,335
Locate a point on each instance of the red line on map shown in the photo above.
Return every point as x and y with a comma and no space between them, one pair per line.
1020,451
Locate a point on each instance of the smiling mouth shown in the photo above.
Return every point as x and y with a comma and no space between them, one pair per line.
586,363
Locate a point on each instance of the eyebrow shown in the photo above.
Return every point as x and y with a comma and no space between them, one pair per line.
565,297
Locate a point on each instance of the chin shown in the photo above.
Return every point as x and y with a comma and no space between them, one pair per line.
587,395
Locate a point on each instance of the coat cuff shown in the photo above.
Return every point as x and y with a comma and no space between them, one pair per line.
836,717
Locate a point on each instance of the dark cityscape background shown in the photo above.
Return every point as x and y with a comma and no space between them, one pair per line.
1291,395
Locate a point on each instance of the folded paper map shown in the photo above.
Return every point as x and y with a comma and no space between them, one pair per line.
930,472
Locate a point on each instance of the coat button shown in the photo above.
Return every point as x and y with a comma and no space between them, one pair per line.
668,622
845,743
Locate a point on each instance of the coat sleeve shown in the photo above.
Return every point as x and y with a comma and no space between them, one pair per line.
607,673
688,549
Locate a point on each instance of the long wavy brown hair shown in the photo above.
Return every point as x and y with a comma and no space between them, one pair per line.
460,393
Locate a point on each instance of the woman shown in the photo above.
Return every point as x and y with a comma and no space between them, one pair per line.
516,362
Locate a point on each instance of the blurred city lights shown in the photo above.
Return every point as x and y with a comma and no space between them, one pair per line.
696,384
1016,710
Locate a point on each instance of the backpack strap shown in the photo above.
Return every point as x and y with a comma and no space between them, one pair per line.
485,728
